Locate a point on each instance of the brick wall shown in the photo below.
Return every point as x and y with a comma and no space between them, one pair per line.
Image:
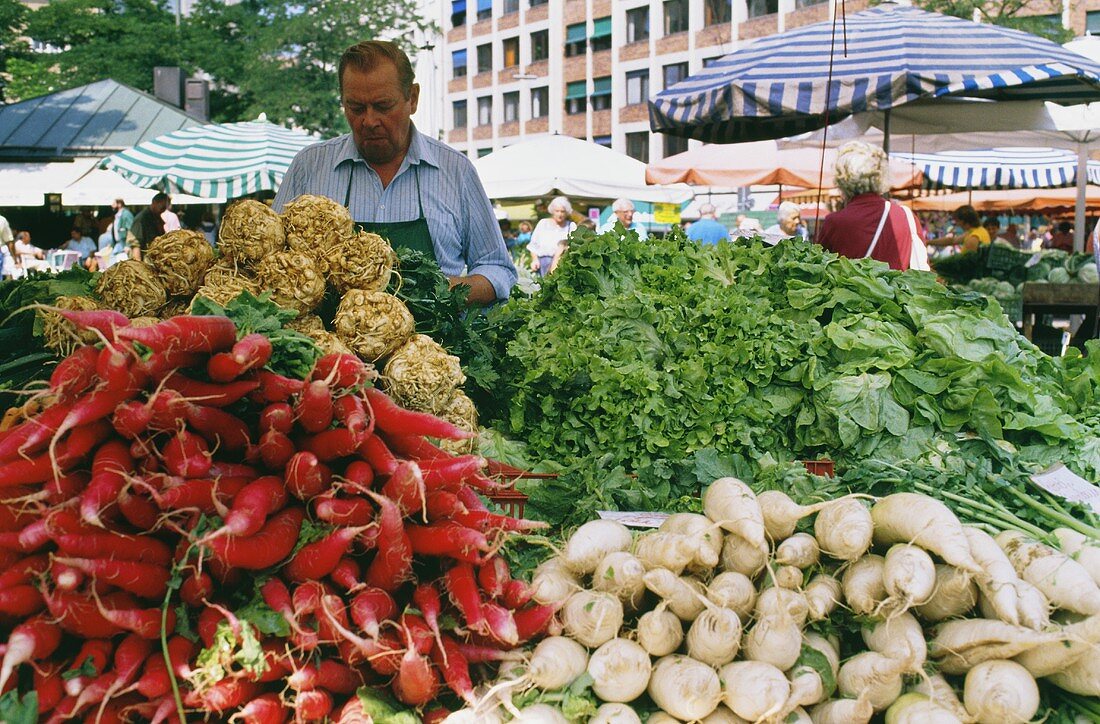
511,20
456,135
634,51
575,11
574,69
601,8
806,16
456,35
483,27
537,13
508,129
675,43
758,27
635,112
505,76
601,63
456,85
575,126
483,80
482,133
537,125
539,68
714,35
601,123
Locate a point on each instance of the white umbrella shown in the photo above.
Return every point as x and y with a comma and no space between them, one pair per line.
569,166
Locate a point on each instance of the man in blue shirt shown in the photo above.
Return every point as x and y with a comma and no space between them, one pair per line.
408,188
623,213
707,230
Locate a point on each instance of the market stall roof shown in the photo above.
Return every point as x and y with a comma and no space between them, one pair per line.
89,120
1017,200
28,183
760,163
1000,168
99,187
565,165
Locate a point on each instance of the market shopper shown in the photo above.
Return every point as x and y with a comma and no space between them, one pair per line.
707,230
622,211
84,246
147,225
974,235
787,224
411,189
1061,238
871,225
548,240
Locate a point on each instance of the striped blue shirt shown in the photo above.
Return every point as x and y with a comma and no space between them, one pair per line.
464,229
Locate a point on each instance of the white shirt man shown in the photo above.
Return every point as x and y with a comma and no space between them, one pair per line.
623,212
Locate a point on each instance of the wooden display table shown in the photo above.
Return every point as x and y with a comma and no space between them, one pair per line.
1062,300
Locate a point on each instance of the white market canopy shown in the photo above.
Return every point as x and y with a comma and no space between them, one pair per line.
577,169
99,187
28,183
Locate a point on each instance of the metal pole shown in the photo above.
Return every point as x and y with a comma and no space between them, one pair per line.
886,131
1082,188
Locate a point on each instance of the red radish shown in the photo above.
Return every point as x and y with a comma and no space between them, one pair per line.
252,505
197,333
426,598
227,694
49,686
209,393
307,598
218,427
359,475
138,509
306,477
378,455
346,574
313,705
78,614
353,713
406,488
145,622
155,681
482,654
116,545
31,435
338,677
417,632
66,486
331,613
251,351
271,387
393,419
163,363
202,494
115,365
416,682
304,678
94,653
442,504
269,546
456,669
275,449
24,571
343,511
493,575
69,451
393,563
131,419
20,601
447,538
168,408
207,625
222,469
196,588
531,622
109,468
415,447
105,321
75,374
486,522
517,594
276,659
352,414
277,597
484,484
470,499
328,445
141,579
342,371
370,608
32,640
451,472
314,407
436,716
277,416
502,623
264,709
463,589
30,539
186,455
318,559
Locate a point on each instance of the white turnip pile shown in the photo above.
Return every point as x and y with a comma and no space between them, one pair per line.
844,611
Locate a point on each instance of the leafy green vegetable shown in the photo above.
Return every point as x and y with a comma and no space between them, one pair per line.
228,655
383,709
87,668
16,710
293,353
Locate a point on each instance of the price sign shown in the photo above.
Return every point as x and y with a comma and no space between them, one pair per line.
1063,482
666,213
634,519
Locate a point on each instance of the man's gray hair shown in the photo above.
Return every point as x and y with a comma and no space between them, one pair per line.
861,168
560,202
622,205
708,210
787,210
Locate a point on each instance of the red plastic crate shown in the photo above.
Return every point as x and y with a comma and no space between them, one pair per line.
511,500
823,467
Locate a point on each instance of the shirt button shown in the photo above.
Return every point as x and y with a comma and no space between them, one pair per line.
382,208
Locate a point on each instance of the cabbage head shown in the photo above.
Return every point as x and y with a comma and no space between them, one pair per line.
1058,275
1088,273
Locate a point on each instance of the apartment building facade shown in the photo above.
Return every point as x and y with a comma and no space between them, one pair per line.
514,69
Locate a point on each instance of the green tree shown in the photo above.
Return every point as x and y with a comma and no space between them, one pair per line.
280,58
12,18
1006,13
97,39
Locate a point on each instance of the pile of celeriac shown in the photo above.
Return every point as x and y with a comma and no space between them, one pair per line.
757,612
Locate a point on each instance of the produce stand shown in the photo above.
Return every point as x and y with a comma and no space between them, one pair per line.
1061,300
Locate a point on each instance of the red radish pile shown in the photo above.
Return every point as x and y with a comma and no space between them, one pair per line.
173,485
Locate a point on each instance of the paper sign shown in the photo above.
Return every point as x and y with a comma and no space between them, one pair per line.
1033,260
1063,482
666,213
634,519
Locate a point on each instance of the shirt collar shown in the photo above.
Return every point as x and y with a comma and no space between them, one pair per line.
420,150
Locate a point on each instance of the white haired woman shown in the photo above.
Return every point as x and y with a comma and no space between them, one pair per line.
788,218
550,235
871,225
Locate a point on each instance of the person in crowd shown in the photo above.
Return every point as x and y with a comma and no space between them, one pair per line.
209,228
25,249
1062,238
869,225
707,230
788,220
1012,235
524,235
406,186
84,246
9,266
508,234
749,227
622,211
992,227
170,218
973,235
87,223
120,226
148,225
549,237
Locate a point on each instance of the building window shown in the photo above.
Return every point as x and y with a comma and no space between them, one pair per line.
601,34
719,12
637,87
760,8
458,13
576,40
674,145
511,52
799,4
536,3
708,62
484,9
458,64
483,152
674,73
637,146
676,16
601,93
576,97
510,6
637,24
459,113
1092,22
484,58
604,141
485,111
540,45
511,107
540,102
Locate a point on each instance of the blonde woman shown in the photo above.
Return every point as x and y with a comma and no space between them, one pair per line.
550,235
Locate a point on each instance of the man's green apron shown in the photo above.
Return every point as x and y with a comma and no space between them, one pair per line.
413,235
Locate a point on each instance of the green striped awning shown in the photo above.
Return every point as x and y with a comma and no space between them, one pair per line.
601,27
576,89
601,86
226,160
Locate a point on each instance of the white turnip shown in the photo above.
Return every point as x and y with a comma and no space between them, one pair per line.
998,578
914,708
776,640
734,591
556,662
684,595
740,556
1064,581
954,595
732,504
552,583
705,536
936,689
863,585
615,714
592,618
844,529
540,714
872,675
660,549
842,711
715,636
909,576
591,542
754,690
620,671
1082,549
776,601
787,577
926,522
961,644
684,687
899,637
1000,692
621,575
660,631
822,596
800,550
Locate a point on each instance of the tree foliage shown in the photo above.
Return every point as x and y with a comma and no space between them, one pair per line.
12,18
1006,13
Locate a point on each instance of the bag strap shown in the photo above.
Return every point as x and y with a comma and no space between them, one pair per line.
878,231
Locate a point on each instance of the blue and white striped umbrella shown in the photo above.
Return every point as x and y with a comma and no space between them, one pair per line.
226,160
882,57
1000,168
